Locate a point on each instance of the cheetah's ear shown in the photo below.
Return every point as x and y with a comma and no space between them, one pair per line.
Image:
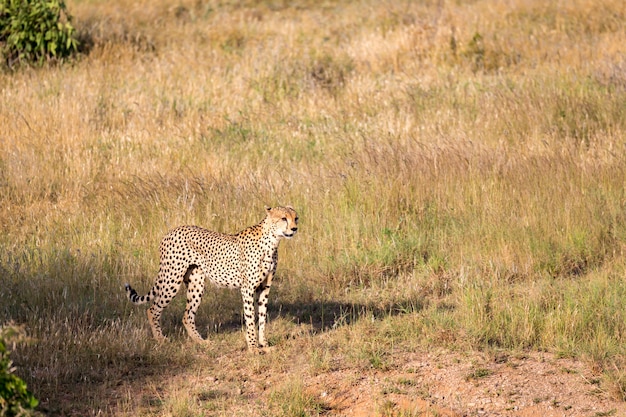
268,208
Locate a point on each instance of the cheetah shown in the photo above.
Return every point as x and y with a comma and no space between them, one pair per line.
246,260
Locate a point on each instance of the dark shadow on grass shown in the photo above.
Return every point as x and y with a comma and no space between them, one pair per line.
325,315
321,315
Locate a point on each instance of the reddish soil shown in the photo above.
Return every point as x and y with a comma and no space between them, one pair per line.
446,384
439,383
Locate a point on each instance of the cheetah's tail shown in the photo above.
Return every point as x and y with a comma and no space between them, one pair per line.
136,298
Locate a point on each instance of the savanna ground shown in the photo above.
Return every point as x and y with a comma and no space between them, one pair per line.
459,168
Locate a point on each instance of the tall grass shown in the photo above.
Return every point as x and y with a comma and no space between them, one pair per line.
472,153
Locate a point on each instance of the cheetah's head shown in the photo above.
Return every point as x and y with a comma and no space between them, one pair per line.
284,220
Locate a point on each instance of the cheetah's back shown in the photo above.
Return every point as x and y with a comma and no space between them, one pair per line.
216,254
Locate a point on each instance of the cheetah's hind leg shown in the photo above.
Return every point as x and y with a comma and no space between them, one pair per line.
195,288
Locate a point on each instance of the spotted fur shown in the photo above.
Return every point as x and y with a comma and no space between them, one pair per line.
246,260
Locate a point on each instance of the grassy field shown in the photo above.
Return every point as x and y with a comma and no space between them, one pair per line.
459,169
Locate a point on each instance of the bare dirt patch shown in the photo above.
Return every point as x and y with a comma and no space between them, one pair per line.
438,383
450,384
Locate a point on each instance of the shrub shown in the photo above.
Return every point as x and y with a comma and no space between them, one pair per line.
35,31
15,399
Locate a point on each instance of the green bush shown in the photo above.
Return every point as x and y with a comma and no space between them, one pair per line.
15,399
35,31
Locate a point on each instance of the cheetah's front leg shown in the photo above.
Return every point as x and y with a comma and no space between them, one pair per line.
247,294
263,293
262,304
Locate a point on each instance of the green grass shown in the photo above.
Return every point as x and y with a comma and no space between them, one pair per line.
458,172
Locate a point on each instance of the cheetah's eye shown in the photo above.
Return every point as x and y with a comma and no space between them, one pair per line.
284,219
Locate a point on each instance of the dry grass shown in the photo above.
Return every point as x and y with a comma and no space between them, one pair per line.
458,168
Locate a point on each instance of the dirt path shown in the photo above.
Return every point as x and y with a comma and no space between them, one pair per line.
445,384
439,383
